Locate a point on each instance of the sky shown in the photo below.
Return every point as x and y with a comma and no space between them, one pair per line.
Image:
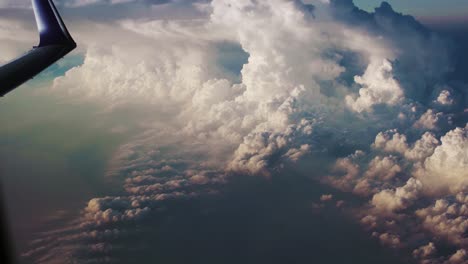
238,131
422,8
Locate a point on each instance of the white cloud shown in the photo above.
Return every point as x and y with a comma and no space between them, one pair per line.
348,172
326,197
445,98
390,201
389,240
447,220
425,253
445,170
429,120
422,148
378,87
393,142
460,257
383,168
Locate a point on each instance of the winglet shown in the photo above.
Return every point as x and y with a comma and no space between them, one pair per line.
51,28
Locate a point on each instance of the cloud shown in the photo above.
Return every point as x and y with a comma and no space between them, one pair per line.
425,253
447,219
445,170
379,87
79,3
385,168
459,257
445,98
324,83
423,148
389,240
16,36
429,120
393,142
326,197
429,181
10,3
390,201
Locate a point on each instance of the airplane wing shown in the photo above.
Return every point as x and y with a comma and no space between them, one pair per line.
55,42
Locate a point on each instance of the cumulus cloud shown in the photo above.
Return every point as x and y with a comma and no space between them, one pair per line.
422,148
447,220
393,142
385,168
389,240
326,197
445,170
461,256
425,253
379,87
429,120
445,98
429,181
390,201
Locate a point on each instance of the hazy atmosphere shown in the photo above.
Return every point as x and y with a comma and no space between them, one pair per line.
240,131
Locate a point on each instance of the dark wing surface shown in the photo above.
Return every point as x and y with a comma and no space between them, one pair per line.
55,42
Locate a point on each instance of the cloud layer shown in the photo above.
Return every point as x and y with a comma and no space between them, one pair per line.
367,92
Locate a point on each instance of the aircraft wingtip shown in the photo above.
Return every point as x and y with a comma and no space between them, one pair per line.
52,29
